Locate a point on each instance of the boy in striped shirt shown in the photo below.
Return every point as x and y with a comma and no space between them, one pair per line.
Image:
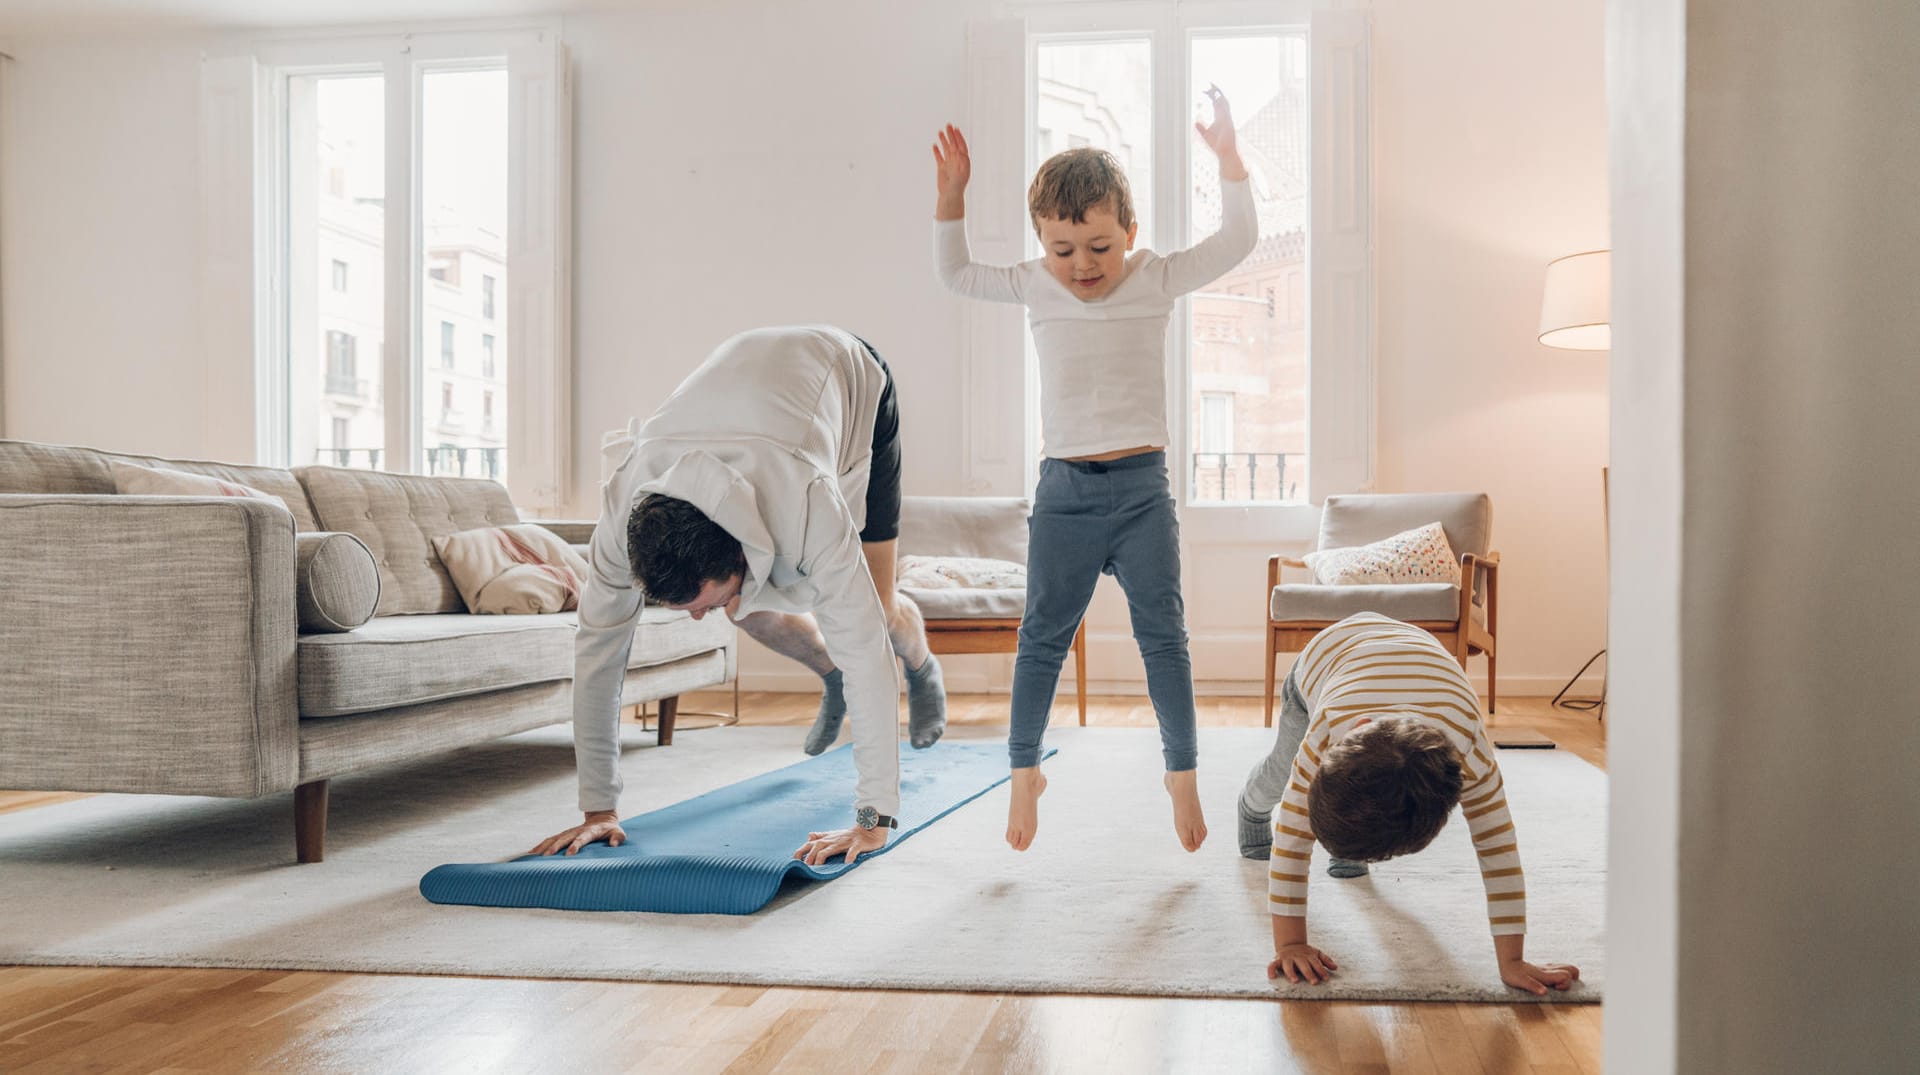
1380,736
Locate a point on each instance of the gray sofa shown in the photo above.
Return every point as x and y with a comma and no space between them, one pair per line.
222,646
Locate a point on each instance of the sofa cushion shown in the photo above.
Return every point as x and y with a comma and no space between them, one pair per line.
336,583
513,570
132,479
29,467
968,603
398,516
1422,601
406,660
983,526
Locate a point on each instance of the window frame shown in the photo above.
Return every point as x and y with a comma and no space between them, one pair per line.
1341,394
243,139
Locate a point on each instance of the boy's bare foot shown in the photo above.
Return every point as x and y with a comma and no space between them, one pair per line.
1188,824
1023,812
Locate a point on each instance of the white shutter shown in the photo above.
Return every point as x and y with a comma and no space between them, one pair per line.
1340,258
994,343
239,396
539,303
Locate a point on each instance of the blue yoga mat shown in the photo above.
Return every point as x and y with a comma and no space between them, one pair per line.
725,852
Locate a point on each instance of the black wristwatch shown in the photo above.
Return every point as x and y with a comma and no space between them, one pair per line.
870,818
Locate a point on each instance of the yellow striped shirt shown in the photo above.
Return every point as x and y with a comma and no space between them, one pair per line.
1374,667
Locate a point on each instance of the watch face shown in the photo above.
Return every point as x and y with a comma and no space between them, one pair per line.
867,817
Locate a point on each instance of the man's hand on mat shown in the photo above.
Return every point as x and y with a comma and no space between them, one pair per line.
1521,974
821,846
600,825
1302,963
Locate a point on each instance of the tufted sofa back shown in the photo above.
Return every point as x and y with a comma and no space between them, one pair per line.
397,516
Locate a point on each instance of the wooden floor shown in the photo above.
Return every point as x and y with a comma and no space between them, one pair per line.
64,1019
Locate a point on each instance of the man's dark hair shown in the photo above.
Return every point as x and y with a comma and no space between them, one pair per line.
674,549
1384,790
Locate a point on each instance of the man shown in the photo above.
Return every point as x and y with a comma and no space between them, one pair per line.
768,487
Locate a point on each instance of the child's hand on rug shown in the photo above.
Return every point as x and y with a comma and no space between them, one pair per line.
1538,979
1510,950
821,846
599,825
1302,963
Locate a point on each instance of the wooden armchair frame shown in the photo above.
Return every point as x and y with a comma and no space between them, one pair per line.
1003,636
1464,637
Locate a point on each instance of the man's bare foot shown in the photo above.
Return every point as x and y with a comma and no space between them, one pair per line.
1184,788
1023,812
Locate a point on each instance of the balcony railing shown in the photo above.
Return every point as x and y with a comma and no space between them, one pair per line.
342,385
466,462
1220,477
354,458
441,462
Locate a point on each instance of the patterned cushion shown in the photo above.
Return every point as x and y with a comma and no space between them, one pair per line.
520,570
964,587
131,479
27,467
1420,555
398,516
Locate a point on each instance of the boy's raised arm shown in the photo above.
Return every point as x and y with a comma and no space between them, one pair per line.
1217,254
952,260
953,168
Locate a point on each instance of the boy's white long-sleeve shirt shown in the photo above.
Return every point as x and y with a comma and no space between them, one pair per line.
1103,364
772,438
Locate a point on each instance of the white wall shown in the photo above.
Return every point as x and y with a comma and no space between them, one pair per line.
1491,160
1762,876
101,246
751,162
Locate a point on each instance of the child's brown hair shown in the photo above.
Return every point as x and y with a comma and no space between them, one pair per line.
1384,790
1071,183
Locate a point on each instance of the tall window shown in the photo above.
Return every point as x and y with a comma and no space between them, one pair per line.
1100,94
1259,407
336,206
424,243
1241,341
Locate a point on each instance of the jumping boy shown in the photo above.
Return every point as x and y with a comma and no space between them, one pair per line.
1379,737
1104,503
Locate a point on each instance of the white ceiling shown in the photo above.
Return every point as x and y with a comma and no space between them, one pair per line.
21,18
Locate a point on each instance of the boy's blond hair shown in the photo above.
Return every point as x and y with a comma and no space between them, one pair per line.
1071,183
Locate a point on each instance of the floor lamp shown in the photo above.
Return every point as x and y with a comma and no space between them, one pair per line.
1575,315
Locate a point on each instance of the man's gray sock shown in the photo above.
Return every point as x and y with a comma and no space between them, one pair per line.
833,710
1346,868
926,704
1256,833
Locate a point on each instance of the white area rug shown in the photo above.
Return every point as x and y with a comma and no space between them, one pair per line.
1105,902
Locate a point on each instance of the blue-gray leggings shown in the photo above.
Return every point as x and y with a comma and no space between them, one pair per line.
1115,518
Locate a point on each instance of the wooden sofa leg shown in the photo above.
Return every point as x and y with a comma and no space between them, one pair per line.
1491,687
1270,657
669,709
310,821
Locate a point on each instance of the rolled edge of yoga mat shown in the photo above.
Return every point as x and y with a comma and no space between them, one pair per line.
657,869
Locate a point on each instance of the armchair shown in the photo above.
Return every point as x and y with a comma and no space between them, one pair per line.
976,621
1465,618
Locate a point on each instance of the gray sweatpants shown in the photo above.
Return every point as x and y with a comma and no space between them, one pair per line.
1268,780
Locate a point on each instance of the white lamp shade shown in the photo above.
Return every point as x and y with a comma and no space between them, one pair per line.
1574,310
